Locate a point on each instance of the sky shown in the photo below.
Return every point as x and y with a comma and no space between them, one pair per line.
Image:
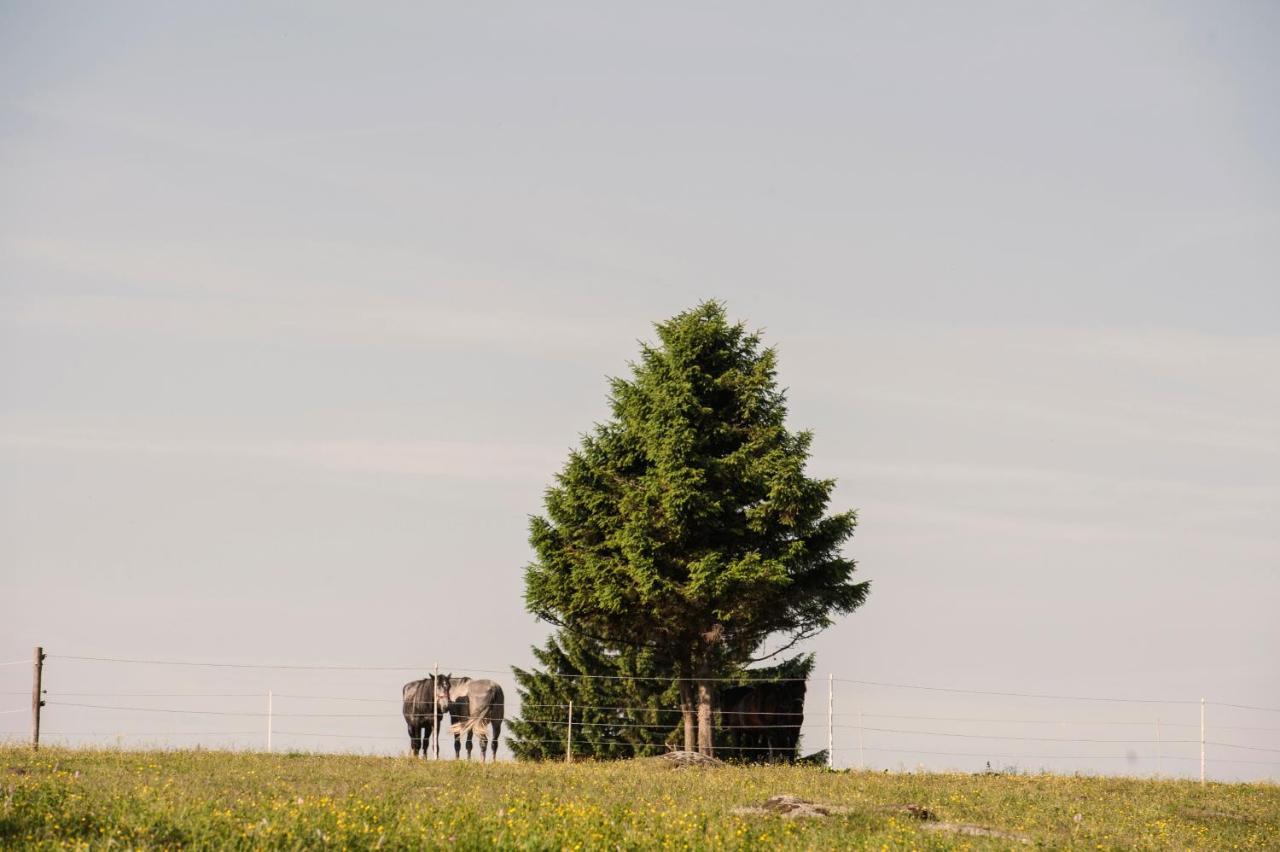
303,305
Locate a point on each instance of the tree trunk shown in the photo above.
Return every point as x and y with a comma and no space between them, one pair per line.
686,709
705,745
706,687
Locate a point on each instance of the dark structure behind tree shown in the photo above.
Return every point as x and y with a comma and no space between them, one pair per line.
685,527
760,720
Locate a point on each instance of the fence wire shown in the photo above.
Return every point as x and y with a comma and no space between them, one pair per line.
836,723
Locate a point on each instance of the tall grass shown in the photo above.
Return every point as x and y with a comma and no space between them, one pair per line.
141,799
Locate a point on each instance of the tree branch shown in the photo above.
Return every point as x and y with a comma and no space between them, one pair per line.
796,639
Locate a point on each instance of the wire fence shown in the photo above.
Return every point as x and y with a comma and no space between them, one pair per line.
858,723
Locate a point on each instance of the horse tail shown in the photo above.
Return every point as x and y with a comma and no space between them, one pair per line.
491,711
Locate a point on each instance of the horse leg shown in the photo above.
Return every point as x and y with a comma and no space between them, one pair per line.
457,746
469,743
484,744
414,740
497,731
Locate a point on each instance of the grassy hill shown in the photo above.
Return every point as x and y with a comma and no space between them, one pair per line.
59,797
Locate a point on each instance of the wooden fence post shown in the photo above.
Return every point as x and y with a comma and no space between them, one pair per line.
568,745
37,696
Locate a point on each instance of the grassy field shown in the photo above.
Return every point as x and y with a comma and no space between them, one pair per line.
141,799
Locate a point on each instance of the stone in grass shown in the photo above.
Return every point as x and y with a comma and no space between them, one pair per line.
686,758
919,812
968,828
794,806
791,807
1206,814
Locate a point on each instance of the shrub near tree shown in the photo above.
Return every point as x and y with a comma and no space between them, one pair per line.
685,526
622,702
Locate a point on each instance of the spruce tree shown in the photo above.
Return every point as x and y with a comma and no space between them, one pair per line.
622,703
686,526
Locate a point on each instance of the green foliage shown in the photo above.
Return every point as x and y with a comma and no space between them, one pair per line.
622,710
686,524
72,799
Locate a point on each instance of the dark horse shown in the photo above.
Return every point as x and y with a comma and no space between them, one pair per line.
762,720
420,713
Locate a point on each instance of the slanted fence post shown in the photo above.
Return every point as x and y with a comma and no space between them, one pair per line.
568,744
37,695
831,703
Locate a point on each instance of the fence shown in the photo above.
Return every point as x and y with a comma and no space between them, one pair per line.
861,723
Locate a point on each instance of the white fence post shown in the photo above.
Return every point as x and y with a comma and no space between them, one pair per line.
1159,750
568,745
435,711
862,759
269,710
831,703
1201,740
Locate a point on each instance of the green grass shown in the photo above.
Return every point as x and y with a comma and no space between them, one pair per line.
61,797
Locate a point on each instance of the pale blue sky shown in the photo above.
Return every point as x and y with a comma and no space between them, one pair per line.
302,306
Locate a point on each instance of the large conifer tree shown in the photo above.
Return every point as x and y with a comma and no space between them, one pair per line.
686,525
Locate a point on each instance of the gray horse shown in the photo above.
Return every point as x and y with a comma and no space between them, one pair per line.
474,707
420,713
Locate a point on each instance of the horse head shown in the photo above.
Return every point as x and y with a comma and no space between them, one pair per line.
443,684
